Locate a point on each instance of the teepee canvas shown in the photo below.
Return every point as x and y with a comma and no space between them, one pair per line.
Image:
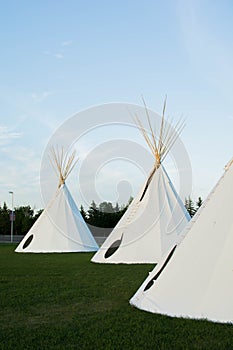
60,228
153,221
195,280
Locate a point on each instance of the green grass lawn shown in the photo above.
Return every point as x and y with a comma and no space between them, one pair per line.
63,301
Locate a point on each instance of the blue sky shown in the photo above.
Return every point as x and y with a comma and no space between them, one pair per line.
60,57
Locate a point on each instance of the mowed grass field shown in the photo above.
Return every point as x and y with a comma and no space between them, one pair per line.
63,301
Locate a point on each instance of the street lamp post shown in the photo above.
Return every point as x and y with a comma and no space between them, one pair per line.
12,214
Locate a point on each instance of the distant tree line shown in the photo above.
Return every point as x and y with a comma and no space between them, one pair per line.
103,215
24,218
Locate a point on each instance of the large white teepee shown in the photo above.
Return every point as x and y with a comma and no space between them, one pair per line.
60,228
195,279
154,219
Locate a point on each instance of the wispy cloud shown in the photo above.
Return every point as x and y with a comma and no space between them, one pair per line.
6,135
67,43
20,153
41,97
59,54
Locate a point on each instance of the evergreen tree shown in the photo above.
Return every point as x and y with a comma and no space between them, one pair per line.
189,205
199,203
93,214
106,207
117,208
130,200
5,220
83,213
36,216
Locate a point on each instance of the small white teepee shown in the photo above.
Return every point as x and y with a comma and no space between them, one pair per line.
60,228
154,219
195,280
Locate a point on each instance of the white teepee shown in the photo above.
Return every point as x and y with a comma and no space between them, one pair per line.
195,279
154,219
60,228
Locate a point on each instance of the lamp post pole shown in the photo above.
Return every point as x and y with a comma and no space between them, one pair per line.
12,214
